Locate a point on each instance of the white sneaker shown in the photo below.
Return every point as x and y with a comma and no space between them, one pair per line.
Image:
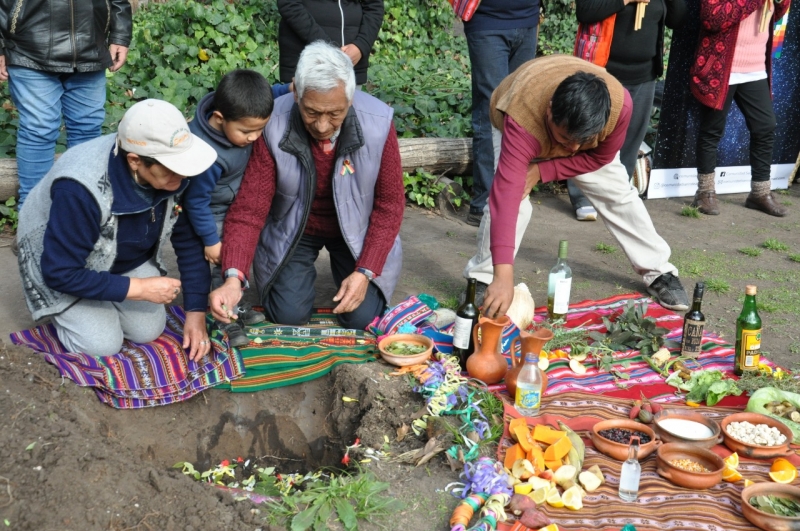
586,213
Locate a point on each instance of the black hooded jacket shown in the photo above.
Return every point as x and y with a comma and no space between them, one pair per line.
306,21
63,35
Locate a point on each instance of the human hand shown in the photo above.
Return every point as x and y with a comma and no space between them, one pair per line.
500,292
213,252
351,293
3,69
159,290
118,55
352,52
225,298
532,178
195,335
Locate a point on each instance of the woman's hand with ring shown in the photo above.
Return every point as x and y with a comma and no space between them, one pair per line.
195,336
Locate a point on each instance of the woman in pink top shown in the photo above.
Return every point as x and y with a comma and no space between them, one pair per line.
732,63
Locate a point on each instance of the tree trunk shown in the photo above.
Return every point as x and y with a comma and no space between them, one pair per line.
440,156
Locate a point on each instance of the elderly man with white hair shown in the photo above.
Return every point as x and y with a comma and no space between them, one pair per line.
326,174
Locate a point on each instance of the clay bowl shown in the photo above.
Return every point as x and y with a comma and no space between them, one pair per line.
400,360
670,437
617,450
766,521
683,478
756,451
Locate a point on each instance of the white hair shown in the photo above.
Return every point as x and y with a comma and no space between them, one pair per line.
322,68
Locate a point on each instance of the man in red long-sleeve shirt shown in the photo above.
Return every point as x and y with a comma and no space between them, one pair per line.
564,118
326,174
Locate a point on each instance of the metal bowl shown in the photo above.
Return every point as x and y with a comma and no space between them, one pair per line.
766,521
670,437
400,360
684,478
756,451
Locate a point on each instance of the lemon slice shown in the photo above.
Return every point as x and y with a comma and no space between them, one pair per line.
544,363
732,475
573,498
551,527
540,495
554,498
748,482
523,488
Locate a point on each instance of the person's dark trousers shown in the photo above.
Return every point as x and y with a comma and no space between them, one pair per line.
494,54
754,100
642,96
290,300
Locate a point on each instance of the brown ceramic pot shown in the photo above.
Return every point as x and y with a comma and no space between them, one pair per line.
683,478
669,437
529,343
487,363
766,521
756,451
617,450
402,361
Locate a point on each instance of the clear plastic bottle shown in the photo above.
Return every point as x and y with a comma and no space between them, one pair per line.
631,473
529,387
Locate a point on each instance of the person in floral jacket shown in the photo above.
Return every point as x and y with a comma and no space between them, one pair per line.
732,63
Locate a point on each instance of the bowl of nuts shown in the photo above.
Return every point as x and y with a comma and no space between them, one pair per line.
612,438
689,466
756,435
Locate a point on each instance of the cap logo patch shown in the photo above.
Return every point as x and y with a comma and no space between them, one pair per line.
179,137
135,142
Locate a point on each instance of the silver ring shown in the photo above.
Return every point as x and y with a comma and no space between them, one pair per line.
204,342
177,290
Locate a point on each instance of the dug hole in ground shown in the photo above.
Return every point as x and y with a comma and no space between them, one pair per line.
96,468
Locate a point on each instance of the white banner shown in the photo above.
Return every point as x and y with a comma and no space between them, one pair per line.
682,182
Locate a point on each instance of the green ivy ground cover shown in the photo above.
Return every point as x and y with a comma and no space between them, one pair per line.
182,48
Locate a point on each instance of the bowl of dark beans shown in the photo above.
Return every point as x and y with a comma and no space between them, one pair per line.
612,438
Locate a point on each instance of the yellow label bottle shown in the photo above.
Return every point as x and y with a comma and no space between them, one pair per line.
748,335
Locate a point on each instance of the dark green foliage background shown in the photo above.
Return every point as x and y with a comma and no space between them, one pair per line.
418,66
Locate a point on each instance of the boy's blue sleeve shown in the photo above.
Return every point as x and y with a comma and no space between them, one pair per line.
192,265
279,89
197,204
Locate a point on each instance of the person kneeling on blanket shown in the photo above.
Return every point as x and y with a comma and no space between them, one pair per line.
91,235
327,174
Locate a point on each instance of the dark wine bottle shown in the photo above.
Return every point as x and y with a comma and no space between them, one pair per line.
466,316
693,323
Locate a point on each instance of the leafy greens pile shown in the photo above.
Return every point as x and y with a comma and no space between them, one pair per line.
710,386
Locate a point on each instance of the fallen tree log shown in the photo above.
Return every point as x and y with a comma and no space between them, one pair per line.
440,156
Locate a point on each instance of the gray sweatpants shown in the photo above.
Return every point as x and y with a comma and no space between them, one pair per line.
97,328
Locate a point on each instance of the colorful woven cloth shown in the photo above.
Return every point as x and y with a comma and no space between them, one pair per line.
280,355
141,375
716,353
661,505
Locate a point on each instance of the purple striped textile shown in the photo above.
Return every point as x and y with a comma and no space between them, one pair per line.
140,375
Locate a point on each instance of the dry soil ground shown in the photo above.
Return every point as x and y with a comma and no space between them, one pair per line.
95,468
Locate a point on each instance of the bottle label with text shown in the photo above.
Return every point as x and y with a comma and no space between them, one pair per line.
561,295
692,337
751,348
528,398
462,332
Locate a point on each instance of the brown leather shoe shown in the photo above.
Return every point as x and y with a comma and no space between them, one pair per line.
706,202
766,203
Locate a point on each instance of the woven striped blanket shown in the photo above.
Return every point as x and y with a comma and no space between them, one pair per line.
716,353
661,505
141,375
280,355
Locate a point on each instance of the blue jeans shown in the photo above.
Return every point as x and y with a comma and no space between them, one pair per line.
41,98
494,54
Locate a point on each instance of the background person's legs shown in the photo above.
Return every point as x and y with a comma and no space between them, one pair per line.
83,105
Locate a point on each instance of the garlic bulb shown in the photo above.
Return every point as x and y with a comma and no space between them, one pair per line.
521,309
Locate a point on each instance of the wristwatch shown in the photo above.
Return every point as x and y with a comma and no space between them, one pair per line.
366,272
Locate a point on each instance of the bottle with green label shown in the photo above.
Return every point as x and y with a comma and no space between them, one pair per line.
748,335
559,284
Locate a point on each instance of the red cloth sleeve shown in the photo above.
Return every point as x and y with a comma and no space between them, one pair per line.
248,213
593,159
387,209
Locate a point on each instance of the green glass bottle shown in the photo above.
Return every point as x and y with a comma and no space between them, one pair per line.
559,284
748,335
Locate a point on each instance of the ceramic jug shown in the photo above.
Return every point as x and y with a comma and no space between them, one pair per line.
487,363
532,343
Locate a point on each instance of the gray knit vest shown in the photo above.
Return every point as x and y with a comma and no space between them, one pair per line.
88,164
361,141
